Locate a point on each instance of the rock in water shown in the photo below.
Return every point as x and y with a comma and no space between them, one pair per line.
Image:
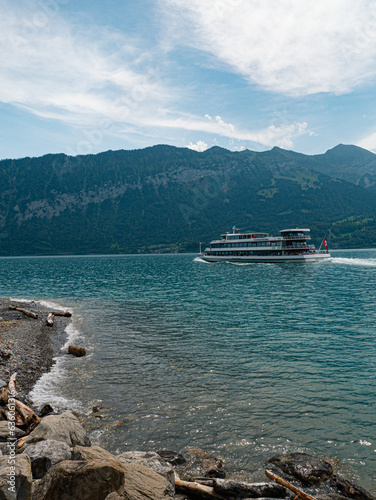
16,476
65,427
46,410
172,457
204,464
351,490
309,470
76,350
45,454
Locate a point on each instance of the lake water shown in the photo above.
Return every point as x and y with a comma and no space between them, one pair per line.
244,361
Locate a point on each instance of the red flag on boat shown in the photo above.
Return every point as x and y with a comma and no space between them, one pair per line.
325,243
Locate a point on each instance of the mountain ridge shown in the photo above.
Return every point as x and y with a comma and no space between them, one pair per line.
167,198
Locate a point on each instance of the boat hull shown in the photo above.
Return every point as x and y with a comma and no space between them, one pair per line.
314,257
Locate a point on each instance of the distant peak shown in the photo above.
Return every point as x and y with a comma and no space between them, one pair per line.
340,148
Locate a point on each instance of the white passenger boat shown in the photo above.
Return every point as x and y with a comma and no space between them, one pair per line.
293,245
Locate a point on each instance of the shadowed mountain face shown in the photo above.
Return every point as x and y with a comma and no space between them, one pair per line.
167,198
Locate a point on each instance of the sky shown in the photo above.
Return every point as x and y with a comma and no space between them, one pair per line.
80,76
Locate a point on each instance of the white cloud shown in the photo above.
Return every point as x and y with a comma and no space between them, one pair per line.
76,74
290,47
270,136
368,142
200,146
99,79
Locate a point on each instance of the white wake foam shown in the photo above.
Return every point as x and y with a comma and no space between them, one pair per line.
198,259
354,262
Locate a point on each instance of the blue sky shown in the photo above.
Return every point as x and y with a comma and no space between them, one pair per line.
86,76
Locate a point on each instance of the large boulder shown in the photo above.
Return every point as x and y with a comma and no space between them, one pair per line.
101,479
15,478
307,469
44,454
5,431
152,461
91,453
240,489
141,483
91,480
65,427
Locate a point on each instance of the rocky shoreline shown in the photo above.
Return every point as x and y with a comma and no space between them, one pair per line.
51,456
28,346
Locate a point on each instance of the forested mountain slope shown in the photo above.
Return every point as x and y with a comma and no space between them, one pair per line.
163,197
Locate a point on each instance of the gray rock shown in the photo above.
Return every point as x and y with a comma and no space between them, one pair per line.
44,454
152,461
4,449
65,427
307,469
101,479
5,431
15,478
2,383
172,457
240,489
203,464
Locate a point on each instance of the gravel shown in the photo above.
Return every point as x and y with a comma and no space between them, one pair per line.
28,346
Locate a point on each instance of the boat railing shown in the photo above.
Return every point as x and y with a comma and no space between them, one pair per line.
299,247
297,237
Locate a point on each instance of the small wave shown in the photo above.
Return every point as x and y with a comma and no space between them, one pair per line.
44,303
52,305
354,262
48,387
73,334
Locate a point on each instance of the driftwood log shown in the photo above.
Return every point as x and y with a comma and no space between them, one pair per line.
14,410
50,320
30,314
196,489
299,493
65,314
12,385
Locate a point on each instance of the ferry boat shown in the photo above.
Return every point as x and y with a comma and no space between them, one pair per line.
293,245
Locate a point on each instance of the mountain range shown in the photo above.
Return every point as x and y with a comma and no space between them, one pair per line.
164,198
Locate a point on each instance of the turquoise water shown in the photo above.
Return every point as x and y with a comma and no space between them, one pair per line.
244,361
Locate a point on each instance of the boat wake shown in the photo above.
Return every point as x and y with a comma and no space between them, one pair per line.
198,259
354,262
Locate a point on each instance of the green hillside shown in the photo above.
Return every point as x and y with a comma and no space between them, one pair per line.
164,198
